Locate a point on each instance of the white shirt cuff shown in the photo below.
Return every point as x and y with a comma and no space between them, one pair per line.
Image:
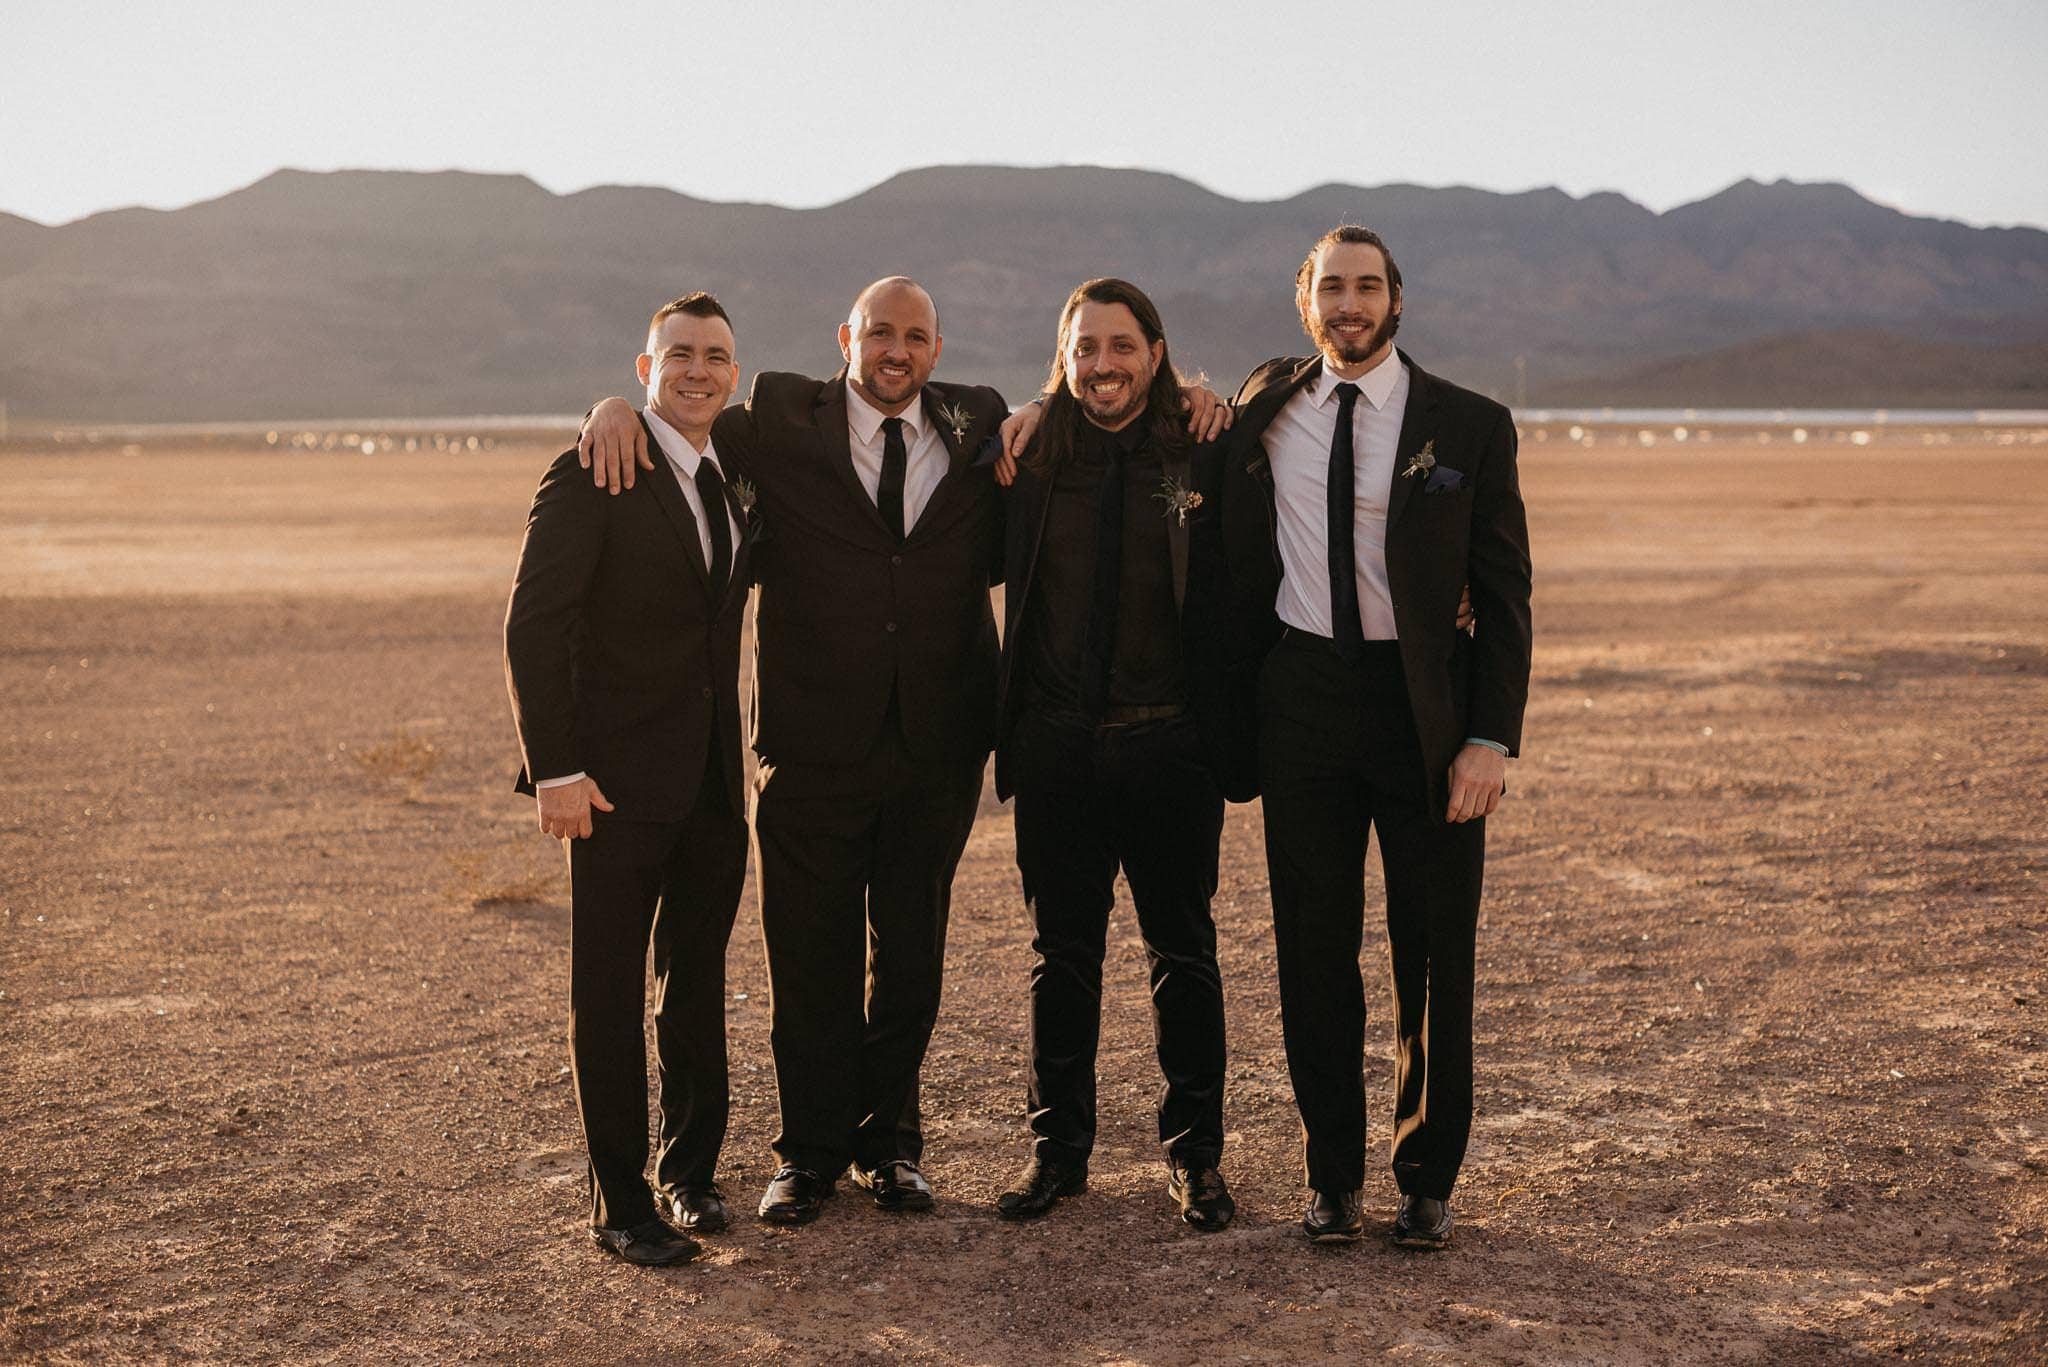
558,782
1489,744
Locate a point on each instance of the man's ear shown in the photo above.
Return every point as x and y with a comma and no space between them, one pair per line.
1159,353
643,367
846,342
938,345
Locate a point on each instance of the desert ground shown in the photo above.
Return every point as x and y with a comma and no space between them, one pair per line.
1763,975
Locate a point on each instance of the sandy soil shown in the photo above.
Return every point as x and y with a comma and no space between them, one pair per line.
1761,1015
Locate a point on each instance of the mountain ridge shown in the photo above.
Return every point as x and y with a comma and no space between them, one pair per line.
443,291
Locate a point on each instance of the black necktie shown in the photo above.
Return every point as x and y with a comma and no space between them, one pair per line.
711,489
1345,630
1109,566
889,493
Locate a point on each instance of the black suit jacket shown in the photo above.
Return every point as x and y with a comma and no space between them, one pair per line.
846,616
1199,592
622,661
1438,541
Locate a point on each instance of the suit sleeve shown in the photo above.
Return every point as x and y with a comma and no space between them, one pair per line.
1499,573
994,410
557,563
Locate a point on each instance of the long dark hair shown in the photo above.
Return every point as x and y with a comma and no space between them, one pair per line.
1061,428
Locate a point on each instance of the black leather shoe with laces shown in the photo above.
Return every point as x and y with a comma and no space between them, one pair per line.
1043,1182
895,1186
698,1209
794,1196
647,1244
1203,1196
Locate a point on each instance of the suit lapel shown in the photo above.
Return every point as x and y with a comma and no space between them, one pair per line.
669,494
1417,420
1178,471
957,463
831,418
742,548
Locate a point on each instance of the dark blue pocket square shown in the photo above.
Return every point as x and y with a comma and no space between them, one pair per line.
1444,480
991,451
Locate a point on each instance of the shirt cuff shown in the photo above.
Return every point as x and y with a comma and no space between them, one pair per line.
559,782
1489,744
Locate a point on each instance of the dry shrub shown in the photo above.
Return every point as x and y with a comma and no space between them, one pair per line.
405,759
525,874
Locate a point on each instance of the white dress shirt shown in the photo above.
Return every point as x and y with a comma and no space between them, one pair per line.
683,458
1298,446
926,458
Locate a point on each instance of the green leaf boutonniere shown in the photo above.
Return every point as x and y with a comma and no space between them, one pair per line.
743,496
957,417
1179,499
1422,462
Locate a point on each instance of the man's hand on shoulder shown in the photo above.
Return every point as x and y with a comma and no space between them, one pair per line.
1479,775
565,808
611,444
1209,414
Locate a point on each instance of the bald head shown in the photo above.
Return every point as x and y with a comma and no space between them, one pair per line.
896,288
890,341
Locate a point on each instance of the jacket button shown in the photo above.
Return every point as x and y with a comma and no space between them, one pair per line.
707,692
895,559
890,627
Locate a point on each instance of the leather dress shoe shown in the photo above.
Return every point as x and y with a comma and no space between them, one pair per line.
1044,1182
647,1244
1334,1217
794,1196
896,1185
1203,1196
1422,1222
698,1209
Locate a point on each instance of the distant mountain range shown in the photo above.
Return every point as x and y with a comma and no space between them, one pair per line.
361,293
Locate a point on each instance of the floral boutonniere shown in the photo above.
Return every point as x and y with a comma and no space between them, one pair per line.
957,417
1179,499
1422,462
743,497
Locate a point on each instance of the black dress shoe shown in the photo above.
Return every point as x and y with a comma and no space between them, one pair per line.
1204,1198
698,1209
794,1196
1334,1217
1422,1222
896,1185
1044,1181
648,1244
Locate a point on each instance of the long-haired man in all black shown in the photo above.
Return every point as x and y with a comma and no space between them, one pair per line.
1109,737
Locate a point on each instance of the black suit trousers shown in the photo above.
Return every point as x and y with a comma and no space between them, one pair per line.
856,865
1338,758
1139,798
676,885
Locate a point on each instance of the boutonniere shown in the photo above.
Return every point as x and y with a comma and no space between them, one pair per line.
1422,462
956,417
743,496
1179,499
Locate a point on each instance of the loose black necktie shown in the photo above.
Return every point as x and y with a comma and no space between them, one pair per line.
889,492
1109,567
711,490
1345,629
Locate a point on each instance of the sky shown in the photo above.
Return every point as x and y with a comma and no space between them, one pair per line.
1934,109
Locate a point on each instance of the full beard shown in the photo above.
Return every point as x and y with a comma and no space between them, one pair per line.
1345,351
1115,410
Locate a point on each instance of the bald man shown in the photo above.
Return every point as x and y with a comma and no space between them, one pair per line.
874,712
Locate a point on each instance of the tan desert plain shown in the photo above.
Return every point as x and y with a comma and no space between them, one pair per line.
1762,994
